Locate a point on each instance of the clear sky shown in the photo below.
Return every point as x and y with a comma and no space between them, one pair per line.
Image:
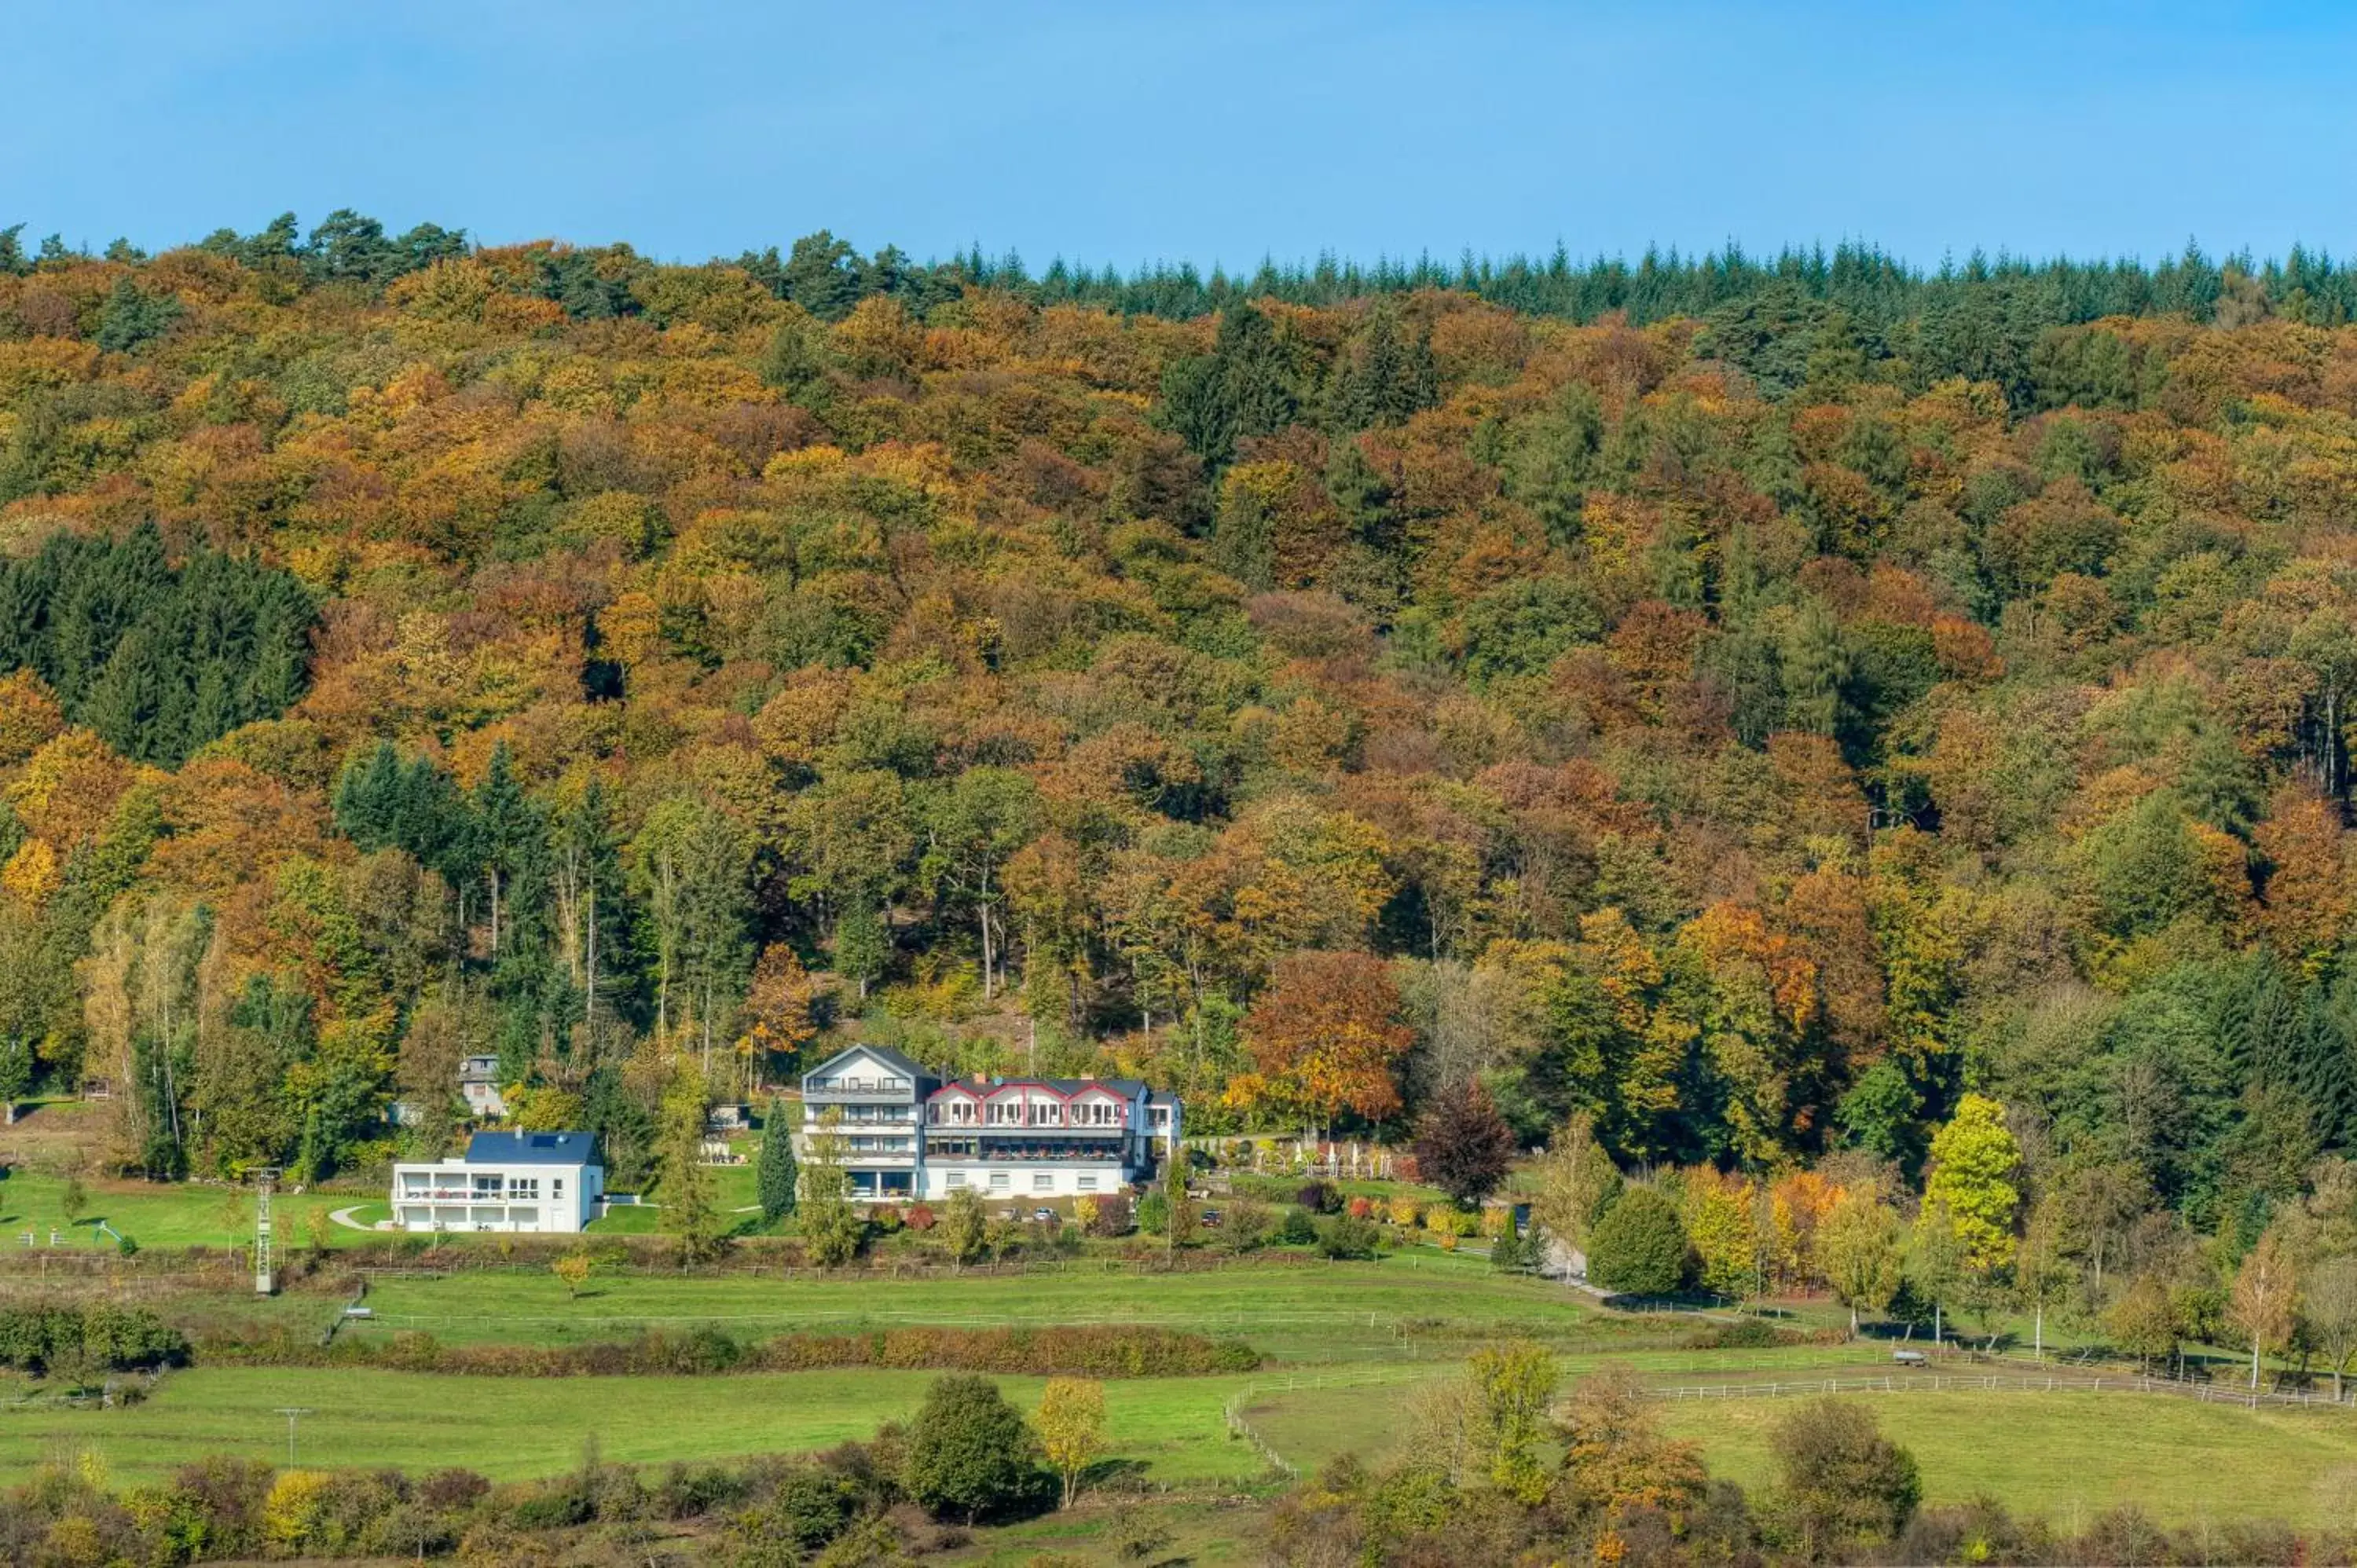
1126,132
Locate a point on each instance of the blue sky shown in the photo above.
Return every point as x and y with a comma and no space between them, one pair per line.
1211,132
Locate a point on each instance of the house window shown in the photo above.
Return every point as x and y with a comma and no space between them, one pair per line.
1043,1181
957,1178
556,1187
1087,1184
1000,1181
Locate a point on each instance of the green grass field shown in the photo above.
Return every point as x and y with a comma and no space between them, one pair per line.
1414,1305
2065,1455
515,1427
182,1214
2071,1455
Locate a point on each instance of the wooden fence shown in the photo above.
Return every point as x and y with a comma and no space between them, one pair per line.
1943,1383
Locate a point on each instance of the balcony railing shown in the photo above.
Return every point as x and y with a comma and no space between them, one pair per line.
1027,1153
857,1086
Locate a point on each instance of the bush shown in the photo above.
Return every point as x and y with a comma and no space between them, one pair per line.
1348,1238
114,1338
970,1453
1639,1248
1361,1208
1154,1214
1318,1197
920,1218
1404,1212
1296,1230
1106,1351
1843,1481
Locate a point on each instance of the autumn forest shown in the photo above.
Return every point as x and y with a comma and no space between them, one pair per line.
1751,703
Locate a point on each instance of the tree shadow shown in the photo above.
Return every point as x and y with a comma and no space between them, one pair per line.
1107,1473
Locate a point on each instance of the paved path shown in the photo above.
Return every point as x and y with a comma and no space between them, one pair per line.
343,1216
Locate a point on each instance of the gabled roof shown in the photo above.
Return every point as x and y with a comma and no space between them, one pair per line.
884,1054
532,1149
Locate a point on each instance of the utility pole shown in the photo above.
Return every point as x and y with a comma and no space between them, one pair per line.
291,1413
265,1182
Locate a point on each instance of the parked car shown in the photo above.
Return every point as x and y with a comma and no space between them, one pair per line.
1043,1213
1211,1219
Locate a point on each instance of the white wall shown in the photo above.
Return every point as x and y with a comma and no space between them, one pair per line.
1023,1180
548,1213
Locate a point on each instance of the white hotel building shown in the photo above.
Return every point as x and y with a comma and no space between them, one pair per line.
913,1134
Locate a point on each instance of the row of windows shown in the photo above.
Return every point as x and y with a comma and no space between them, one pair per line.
959,1113
1041,1181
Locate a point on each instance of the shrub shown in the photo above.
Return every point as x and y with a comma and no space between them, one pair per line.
1296,1230
1362,1209
1639,1248
1842,1479
32,1338
1348,1238
1154,1214
1404,1212
1318,1197
291,1514
885,1218
970,1452
918,1218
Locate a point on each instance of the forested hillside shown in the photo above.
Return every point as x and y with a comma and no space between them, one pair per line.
1750,703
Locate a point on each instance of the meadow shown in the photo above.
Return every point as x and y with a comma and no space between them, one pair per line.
2066,1455
1418,1305
510,1428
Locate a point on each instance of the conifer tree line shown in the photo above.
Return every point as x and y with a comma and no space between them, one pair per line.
1744,721
156,659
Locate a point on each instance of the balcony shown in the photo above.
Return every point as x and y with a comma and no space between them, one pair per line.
992,1150
898,1089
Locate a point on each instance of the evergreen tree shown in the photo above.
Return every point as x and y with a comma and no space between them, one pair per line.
778,1176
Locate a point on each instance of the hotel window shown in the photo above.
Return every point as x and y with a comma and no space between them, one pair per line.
1043,1181
957,1178
1087,1184
1000,1181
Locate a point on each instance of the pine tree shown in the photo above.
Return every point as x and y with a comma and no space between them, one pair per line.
778,1176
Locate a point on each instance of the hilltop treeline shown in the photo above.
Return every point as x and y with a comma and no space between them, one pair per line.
1748,720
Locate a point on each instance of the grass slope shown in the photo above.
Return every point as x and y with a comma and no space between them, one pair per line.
510,1428
1416,1304
2071,1455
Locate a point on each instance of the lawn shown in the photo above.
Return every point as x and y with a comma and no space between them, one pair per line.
2064,1455
1418,1305
189,1214
515,1427
2070,1455
153,1214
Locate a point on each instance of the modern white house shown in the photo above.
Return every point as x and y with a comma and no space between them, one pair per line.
505,1181
910,1133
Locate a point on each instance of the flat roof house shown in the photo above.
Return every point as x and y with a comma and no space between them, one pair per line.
912,1133
505,1181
